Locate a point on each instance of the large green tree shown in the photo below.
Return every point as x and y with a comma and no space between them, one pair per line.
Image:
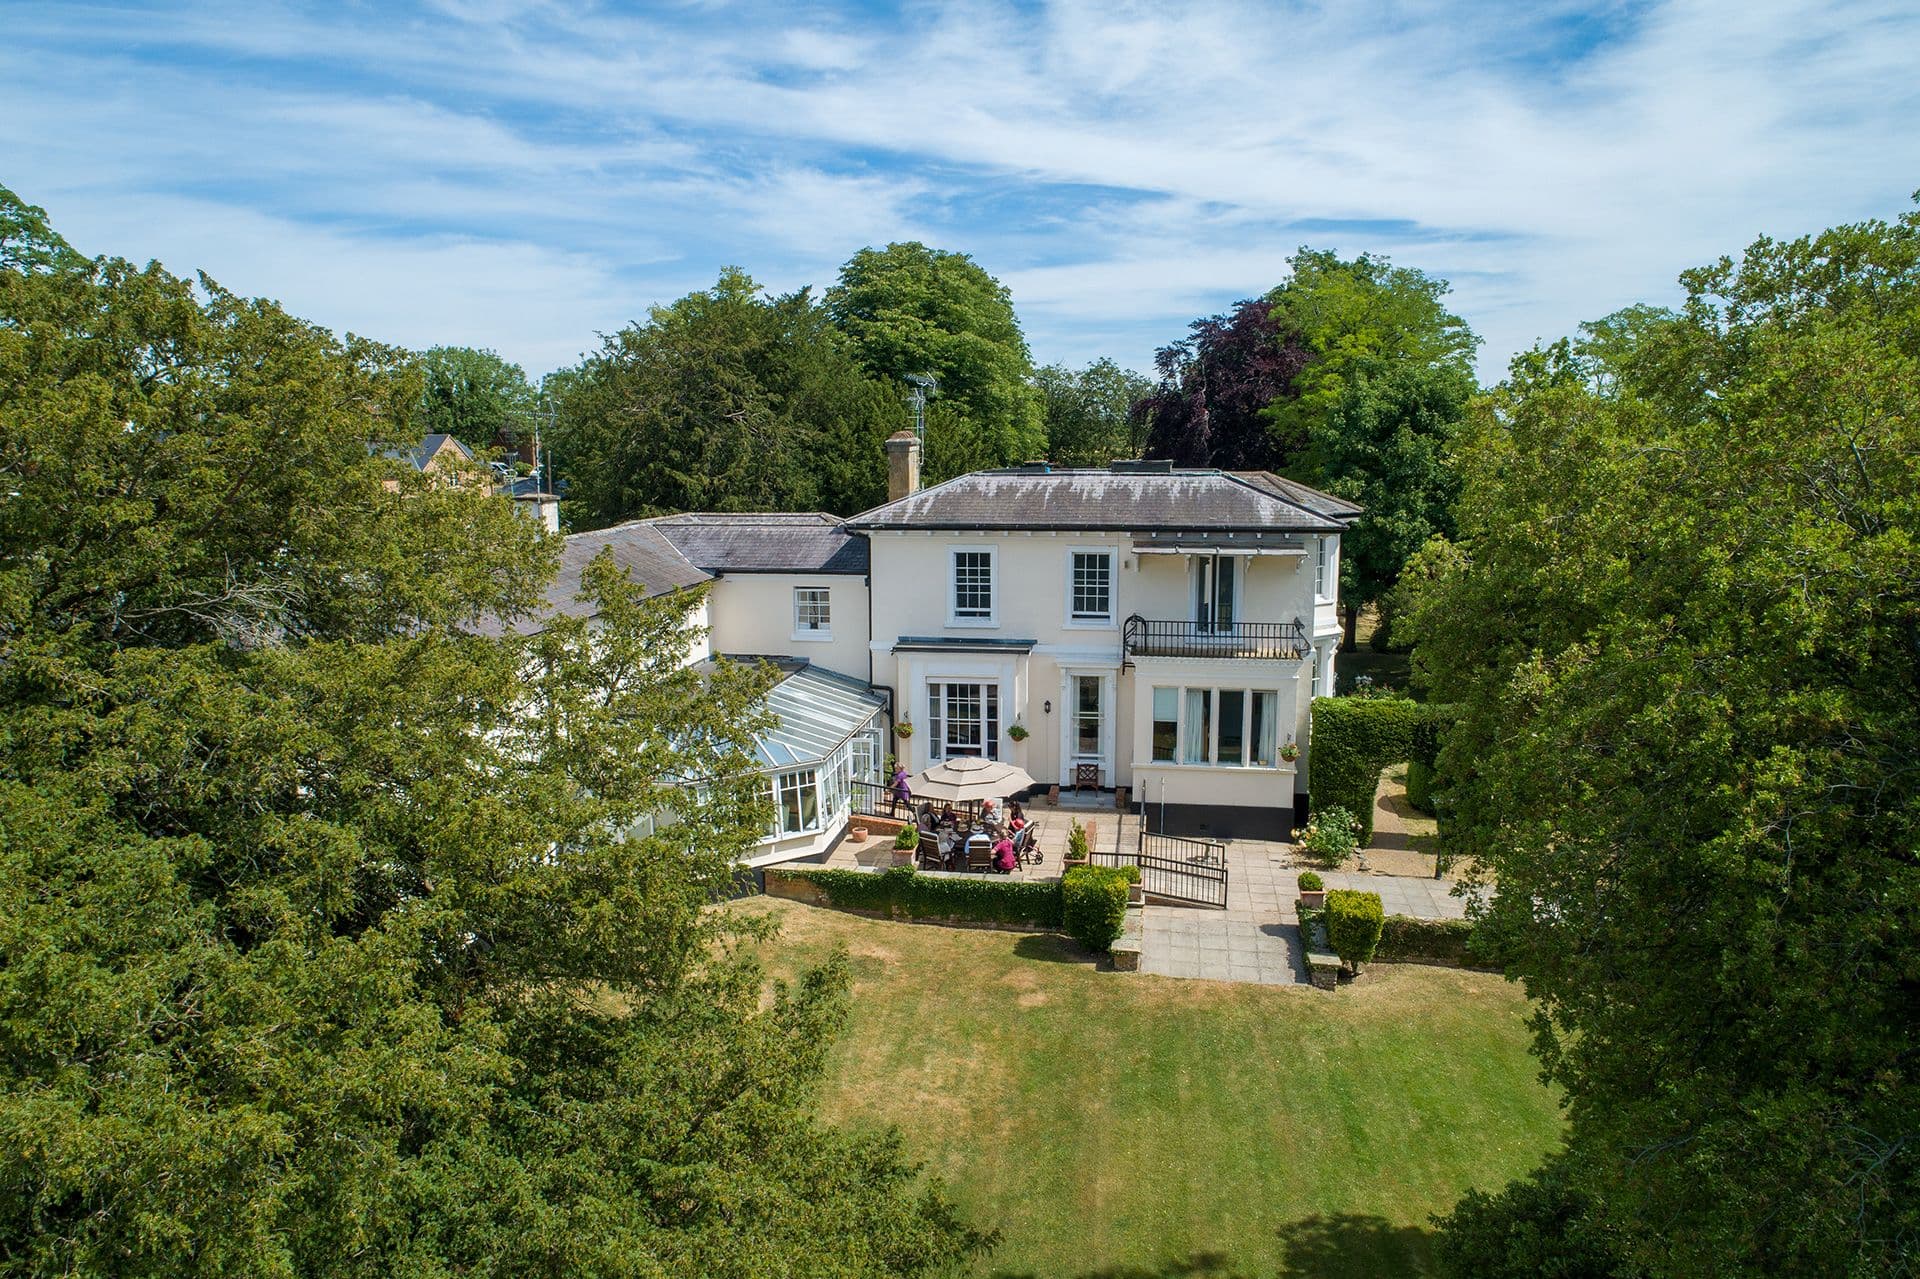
727,399
322,951
914,310
475,396
1683,633
1371,415
1089,412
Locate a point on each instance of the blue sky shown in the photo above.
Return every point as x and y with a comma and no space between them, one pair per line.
524,175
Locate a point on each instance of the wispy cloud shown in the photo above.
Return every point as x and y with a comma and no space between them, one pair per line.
522,174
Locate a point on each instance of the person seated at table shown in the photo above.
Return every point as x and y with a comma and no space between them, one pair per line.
1003,857
1016,816
947,817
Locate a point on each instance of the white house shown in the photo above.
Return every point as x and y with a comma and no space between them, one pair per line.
1141,625
1148,626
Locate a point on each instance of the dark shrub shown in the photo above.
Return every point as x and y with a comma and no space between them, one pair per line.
1420,786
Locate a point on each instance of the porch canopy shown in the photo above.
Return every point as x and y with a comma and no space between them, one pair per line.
969,780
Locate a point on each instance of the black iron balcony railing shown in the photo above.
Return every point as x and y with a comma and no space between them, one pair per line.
1148,637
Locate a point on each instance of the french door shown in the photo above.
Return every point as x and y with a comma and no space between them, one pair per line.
1214,583
963,720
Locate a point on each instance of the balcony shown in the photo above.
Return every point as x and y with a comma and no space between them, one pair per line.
1246,641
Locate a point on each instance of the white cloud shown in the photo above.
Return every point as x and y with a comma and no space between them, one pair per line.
1125,167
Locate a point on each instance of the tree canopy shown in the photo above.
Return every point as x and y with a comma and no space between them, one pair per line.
1680,628
728,399
1210,406
328,942
908,310
474,396
1089,412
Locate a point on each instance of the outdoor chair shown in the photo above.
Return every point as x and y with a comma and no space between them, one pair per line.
928,853
980,854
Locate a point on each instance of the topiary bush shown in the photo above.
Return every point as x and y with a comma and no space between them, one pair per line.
1078,846
1354,922
1093,905
1310,882
1355,737
1420,786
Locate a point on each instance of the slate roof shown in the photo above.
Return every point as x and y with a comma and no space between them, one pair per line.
1135,498
765,543
429,445
647,556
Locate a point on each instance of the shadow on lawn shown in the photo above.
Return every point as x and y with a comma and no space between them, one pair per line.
1052,949
1345,1246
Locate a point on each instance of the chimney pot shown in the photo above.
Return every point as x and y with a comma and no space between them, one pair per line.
903,465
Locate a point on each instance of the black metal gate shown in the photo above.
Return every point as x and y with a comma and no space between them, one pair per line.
1189,871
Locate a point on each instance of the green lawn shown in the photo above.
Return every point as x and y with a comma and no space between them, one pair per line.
1129,1126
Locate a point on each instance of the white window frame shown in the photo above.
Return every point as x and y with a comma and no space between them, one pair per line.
778,789
992,721
1248,743
1326,570
806,634
1093,621
992,618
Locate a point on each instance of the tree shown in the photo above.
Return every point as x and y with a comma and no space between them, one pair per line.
1089,413
474,396
1209,408
1374,411
1352,377
1680,632
908,310
324,947
728,400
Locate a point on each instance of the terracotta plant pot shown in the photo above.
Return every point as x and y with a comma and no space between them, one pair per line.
1313,897
857,835
1136,895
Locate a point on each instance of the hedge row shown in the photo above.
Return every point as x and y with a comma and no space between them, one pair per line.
905,893
1355,737
1404,939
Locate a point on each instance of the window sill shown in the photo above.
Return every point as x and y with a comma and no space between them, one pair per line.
1090,624
975,623
1217,768
812,637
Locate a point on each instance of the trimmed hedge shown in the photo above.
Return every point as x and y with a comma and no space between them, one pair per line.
1355,737
1420,786
1404,939
903,892
1093,904
1354,922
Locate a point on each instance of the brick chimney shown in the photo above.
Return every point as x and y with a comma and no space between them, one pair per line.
903,465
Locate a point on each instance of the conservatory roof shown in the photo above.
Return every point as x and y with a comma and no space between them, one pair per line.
816,711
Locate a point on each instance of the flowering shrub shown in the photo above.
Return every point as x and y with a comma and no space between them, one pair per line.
1331,836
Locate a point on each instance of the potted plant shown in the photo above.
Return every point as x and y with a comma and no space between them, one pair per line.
1313,892
1079,848
905,844
903,730
1017,731
856,834
1291,751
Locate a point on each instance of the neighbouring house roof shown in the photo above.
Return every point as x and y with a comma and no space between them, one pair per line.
808,542
1136,497
430,444
816,710
648,557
